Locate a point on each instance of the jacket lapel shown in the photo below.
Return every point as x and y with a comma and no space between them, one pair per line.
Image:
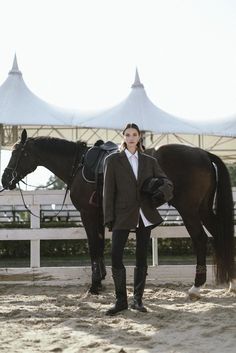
126,164
141,164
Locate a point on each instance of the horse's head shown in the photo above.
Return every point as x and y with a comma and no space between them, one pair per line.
21,163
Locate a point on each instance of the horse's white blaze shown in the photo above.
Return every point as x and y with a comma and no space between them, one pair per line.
194,292
232,286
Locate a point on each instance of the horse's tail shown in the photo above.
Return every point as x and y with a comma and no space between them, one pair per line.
224,238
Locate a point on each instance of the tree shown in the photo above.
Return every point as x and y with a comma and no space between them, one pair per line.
232,173
58,184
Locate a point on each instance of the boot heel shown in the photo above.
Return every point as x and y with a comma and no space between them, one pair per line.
140,274
119,277
118,307
138,306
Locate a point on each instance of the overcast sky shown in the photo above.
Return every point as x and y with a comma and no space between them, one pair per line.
83,54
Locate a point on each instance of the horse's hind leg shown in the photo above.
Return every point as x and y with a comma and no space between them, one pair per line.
199,239
209,220
95,233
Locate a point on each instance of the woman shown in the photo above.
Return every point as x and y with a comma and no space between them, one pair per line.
127,208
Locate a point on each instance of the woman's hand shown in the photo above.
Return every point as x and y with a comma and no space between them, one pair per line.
158,198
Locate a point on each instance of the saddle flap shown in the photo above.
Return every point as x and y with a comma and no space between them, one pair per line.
94,159
91,157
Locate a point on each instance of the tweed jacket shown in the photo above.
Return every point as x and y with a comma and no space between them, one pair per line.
122,195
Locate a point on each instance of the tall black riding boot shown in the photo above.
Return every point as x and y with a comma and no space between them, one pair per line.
119,277
140,274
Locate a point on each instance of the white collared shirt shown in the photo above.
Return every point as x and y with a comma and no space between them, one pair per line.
133,160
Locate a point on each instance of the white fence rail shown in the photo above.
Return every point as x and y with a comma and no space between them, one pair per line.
39,200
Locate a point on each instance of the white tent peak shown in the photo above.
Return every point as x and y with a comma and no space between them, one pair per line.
137,107
15,69
137,83
20,106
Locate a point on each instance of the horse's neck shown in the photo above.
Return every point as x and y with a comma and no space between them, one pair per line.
60,165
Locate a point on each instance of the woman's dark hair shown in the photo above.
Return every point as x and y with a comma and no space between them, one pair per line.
131,126
139,144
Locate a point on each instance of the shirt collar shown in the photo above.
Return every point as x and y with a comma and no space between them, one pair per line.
129,154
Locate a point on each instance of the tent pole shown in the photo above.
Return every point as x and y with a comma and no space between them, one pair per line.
200,141
1,144
143,134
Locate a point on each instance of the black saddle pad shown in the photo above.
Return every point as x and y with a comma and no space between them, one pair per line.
94,159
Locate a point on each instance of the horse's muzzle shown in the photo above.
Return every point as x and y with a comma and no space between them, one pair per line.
8,182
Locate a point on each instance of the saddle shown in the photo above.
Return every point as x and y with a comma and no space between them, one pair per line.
94,160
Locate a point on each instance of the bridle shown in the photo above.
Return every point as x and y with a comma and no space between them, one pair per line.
16,177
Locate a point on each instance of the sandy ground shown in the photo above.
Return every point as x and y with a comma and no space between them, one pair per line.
68,319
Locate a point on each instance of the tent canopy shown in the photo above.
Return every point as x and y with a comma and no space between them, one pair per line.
221,127
138,108
19,106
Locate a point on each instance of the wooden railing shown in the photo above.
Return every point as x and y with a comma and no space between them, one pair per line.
45,204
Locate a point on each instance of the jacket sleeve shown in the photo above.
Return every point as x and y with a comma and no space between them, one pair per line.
109,190
167,187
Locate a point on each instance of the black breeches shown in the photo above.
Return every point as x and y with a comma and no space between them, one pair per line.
119,238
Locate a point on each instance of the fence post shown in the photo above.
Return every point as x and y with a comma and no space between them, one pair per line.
35,244
154,251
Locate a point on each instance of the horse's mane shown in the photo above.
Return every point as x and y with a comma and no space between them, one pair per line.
57,145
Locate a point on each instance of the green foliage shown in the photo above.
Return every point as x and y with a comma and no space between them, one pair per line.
67,248
58,184
63,248
55,183
14,249
55,224
14,225
232,173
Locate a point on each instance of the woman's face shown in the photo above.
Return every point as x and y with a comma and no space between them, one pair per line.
131,137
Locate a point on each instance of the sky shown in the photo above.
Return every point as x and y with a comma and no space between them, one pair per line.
83,54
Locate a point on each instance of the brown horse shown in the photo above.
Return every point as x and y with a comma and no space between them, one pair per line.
202,196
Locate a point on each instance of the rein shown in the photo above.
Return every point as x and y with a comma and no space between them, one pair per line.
33,214
76,165
38,187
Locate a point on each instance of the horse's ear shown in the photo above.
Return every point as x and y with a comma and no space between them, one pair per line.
23,136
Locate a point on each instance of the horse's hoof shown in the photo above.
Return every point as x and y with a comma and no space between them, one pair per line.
194,293
232,286
93,291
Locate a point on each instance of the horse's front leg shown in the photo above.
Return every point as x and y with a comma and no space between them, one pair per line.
95,232
232,286
232,283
